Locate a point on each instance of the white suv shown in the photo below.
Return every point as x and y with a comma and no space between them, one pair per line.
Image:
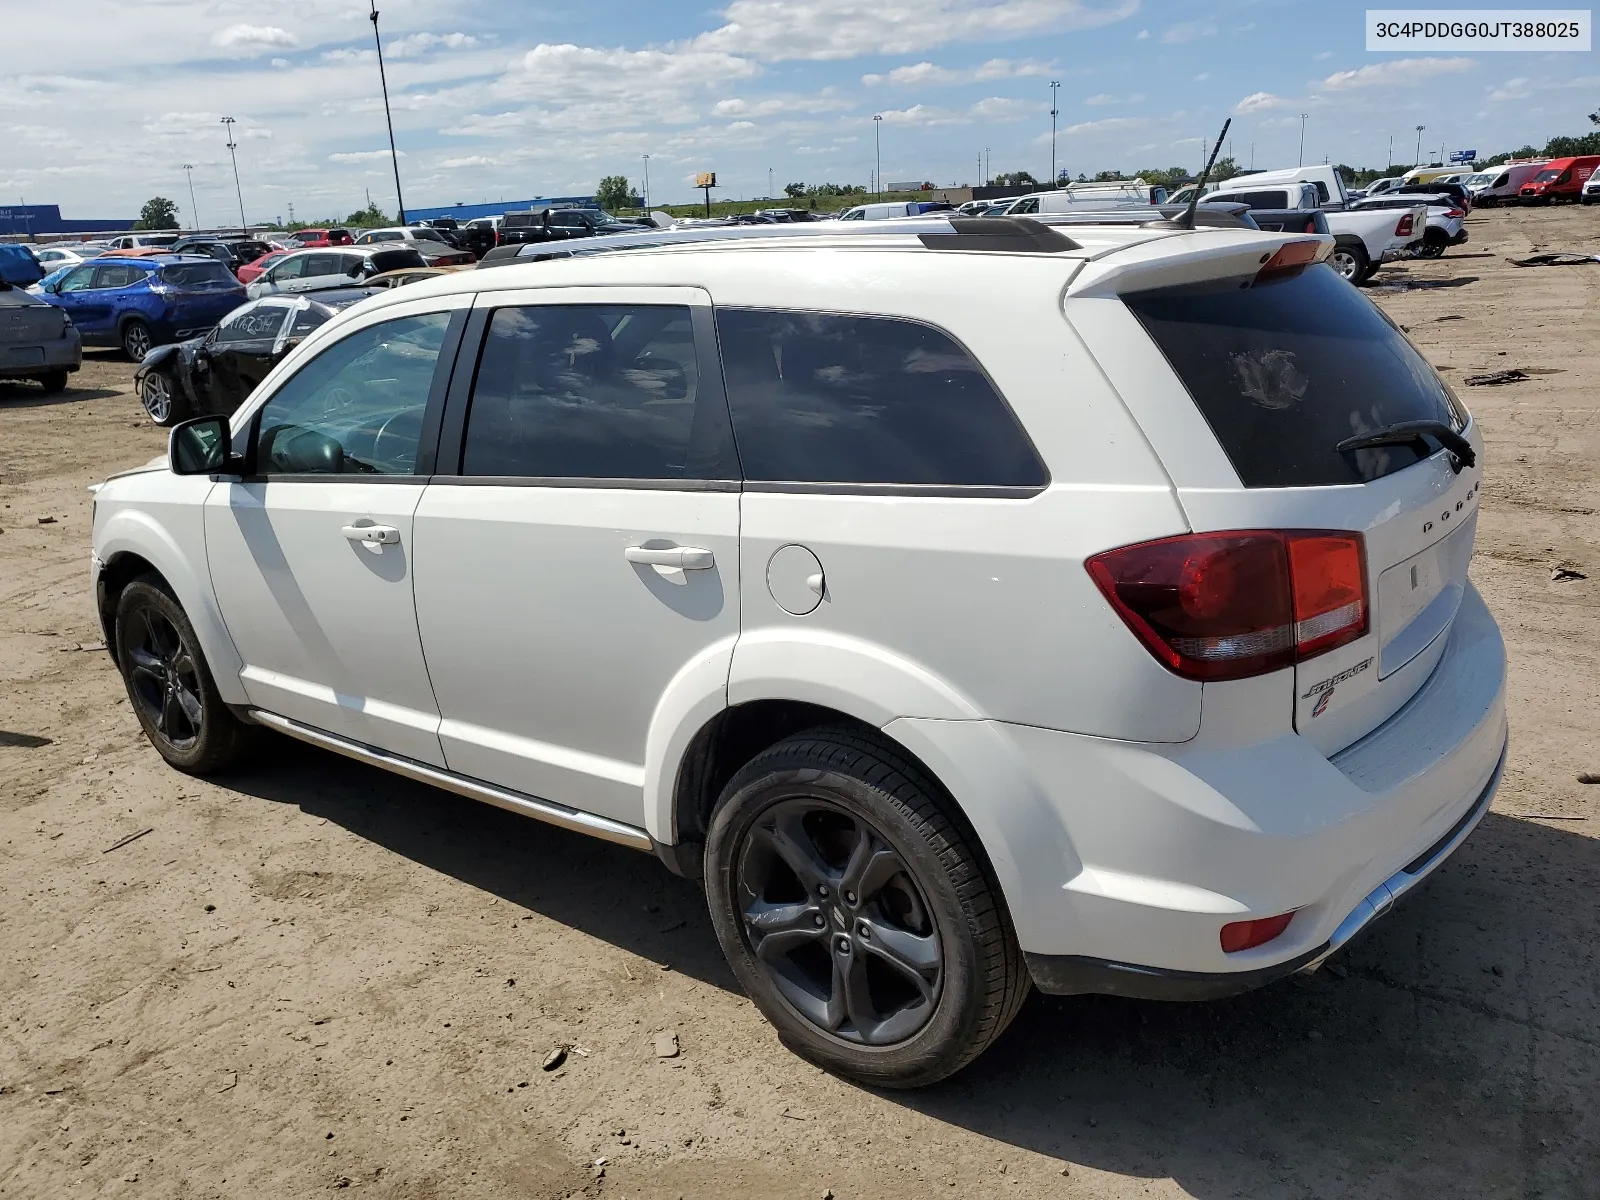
1113,635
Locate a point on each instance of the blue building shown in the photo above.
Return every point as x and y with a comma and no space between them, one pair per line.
470,212
32,219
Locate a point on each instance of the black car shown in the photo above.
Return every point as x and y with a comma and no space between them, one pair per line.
233,252
214,374
559,225
1462,197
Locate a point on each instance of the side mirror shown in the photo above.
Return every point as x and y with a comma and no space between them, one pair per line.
199,446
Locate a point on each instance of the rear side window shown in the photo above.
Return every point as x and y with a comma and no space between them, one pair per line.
1285,370
194,275
567,391
818,398
1276,198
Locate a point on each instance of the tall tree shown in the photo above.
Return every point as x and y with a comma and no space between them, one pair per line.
614,192
158,213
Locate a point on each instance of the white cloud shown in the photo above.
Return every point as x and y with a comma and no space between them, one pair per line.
1103,99
1105,125
361,156
1512,89
1325,56
1188,31
346,55
1259,102
562,72
781,30
1143,36
1000,108
255,39
1395,72
926,73
280,63
421,43
1202,77
778,105
471,160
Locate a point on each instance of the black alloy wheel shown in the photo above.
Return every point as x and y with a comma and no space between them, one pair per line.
855,906
170,685
835,918
164,681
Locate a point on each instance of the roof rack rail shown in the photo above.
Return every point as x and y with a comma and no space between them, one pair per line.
1211,216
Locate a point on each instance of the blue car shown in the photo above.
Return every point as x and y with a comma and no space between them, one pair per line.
141,302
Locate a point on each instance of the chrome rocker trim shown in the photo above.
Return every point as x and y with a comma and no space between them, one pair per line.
528,806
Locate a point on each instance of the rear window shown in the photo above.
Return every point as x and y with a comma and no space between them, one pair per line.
825,399
394,260
1284,370
1273,198
198,275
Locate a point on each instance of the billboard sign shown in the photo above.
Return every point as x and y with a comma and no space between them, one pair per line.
706,179
1463,156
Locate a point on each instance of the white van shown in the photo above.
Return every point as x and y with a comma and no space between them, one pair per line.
1505,181
885,212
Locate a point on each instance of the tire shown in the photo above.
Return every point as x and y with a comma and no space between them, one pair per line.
779,854
1433,246
136,339
54,383
163,402
169,684
1349,261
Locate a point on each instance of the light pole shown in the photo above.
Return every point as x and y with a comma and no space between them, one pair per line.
232,146
988,167
1389,161
646,158
384,83
1418,158
1055,87
194,216
877,150
1302,158
769,183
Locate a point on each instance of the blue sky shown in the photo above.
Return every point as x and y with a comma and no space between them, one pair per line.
101,102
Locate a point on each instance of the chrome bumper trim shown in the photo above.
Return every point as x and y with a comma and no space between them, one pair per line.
1383,897
529,806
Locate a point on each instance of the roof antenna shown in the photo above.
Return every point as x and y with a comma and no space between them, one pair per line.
1186,221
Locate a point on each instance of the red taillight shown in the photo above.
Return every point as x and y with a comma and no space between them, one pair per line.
1456,212
1403,229
1291,256
1247,935
1311,225
1216,606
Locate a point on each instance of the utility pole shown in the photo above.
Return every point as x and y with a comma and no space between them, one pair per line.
988,168
877,150
1302,158
1389,161
384,83
1055,87
646,158
769,183
232,146
1418,159
194,215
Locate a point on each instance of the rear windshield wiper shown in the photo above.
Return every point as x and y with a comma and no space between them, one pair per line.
1403,433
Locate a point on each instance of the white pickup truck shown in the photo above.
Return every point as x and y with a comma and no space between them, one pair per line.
1362,239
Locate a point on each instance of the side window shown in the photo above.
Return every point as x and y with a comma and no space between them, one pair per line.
290,268
118,275
80,280
594,392
356,408
324,264
865,400
1030,205
1322,191
855,214
306,319
253,323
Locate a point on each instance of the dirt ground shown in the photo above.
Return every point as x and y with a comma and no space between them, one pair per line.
313,976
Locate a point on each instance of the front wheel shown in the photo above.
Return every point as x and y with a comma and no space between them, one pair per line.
158,392
169,684
857,912
1349,262
54,383
137,339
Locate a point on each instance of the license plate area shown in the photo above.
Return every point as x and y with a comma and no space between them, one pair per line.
1418,598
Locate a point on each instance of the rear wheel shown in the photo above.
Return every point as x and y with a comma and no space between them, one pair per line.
170,685
54,382
137,339
858,914
1349,261
1433,245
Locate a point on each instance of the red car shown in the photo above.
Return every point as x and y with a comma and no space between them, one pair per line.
308,238
250,270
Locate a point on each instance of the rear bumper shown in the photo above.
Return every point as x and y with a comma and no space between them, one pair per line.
33,359
1121,861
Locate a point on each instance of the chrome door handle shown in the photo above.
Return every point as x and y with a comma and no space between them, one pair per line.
374,535
684,558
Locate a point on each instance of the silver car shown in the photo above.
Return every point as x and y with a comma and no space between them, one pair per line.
37,341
